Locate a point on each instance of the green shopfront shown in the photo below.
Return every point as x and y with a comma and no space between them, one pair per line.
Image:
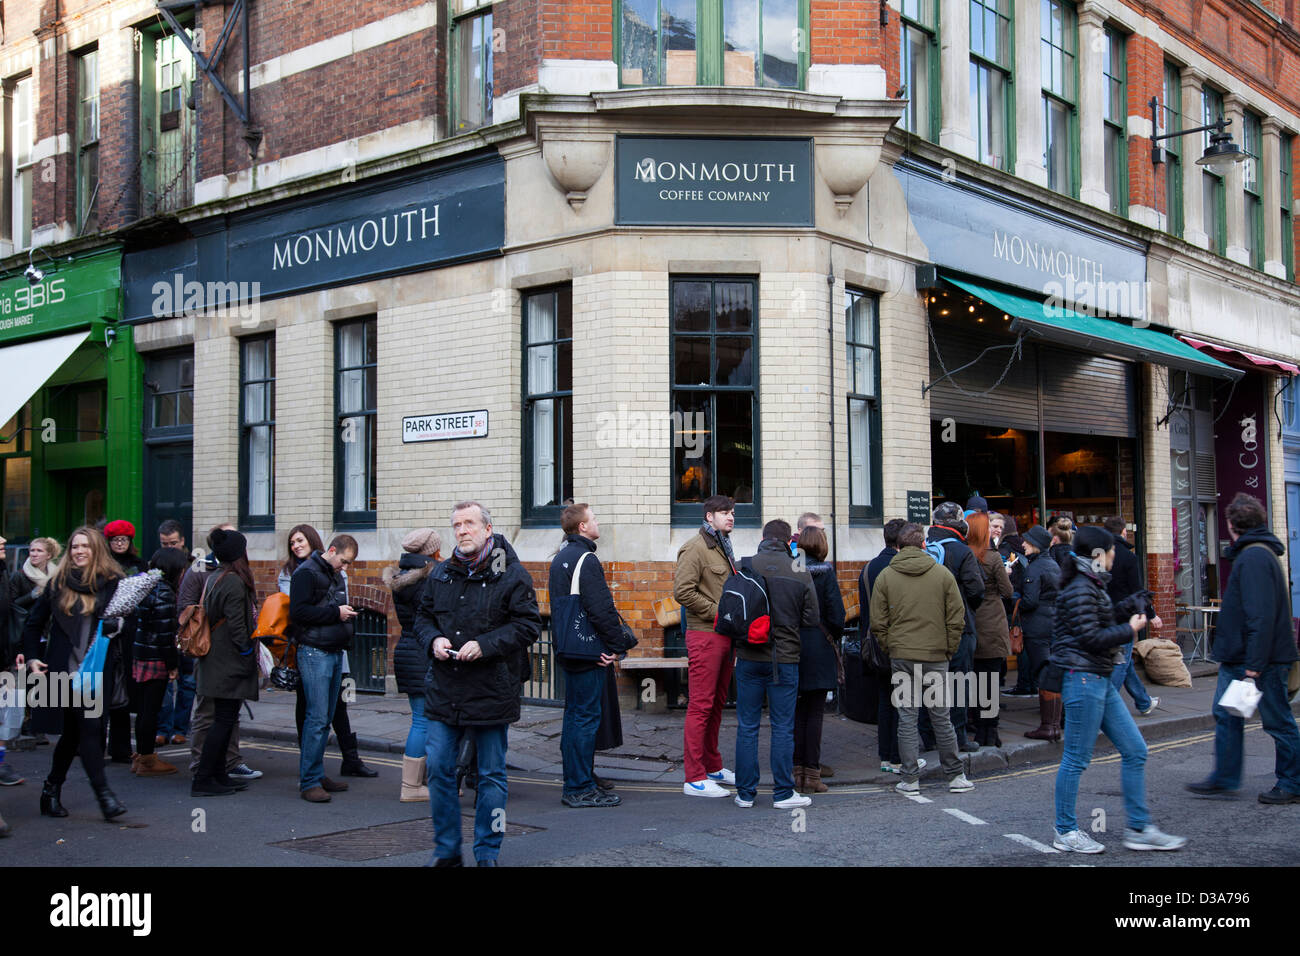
70,446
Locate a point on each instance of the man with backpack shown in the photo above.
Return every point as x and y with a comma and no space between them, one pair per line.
946,543
767,659
704,563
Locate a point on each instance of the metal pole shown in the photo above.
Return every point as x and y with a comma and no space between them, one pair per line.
830,342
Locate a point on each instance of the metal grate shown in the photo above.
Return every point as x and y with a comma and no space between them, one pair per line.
369,656
545,682
387,839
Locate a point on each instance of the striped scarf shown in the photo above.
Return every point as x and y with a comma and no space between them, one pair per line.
474,562
724,540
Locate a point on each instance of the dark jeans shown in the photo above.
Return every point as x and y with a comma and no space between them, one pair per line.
1026,677
987,666
174,717
809,711
212,761
146,718
119,733
754,681
886,724
342,726
962,662
1278,720
582,695
82,736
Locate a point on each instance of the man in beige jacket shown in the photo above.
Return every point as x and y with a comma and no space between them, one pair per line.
703,565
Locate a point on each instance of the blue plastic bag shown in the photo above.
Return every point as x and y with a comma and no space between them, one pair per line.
88,681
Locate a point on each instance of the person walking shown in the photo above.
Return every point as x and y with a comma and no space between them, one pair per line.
1253,641
174,714
992,637
479,659
948,531
303,540
227,675
819,663
421,552
1037,614
584,678
155,658
918,616
1126,579
27,582
70,607
1085,639
704,563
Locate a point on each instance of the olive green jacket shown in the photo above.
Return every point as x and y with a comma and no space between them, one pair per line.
702,570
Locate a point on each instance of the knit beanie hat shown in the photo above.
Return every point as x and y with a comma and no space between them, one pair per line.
424,541
1088,540
976,503
229,546
119,527
949,515
1038,537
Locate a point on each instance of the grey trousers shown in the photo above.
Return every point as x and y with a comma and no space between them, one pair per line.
908,700
200,724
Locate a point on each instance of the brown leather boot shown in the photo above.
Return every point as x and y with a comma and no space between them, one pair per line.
150,765
812,780
799,773
1050,708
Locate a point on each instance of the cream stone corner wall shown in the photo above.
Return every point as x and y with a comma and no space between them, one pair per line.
304,415
905,412
216,424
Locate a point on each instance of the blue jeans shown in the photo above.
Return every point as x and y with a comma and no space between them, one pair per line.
582,699
962,662
489,804
1277,718
753,682
1125,675
174,717
322,676
1093,704
415,737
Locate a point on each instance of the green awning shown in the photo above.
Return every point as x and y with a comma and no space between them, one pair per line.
1099,336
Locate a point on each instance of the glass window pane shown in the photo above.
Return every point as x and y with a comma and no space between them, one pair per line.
539,317
164,410
735,426
733,360
254,360
355,457
740,42
691,306
864,371
781,34
185,408
692,448
678,41
859,453
564,367
735,304
541,369
254,403
17,498
351,344
10,431
352,390
543,423
691,364
260,470
639,43
916,74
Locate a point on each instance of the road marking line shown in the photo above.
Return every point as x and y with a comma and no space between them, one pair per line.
1033,844
917,798
963,815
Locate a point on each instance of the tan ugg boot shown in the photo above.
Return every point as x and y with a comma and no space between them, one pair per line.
150,765
413,780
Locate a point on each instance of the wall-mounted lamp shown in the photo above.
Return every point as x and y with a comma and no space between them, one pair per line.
1219,156
110,336
34,273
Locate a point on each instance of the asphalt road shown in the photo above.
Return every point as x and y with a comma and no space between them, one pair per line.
1005,821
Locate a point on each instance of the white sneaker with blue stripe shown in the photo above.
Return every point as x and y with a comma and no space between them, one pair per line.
704,788
723,776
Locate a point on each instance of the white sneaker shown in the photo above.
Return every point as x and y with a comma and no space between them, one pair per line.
704,788
742,802
1076,841
887,767
723,776
795,799
1155,702
959,784
904,786
1152,839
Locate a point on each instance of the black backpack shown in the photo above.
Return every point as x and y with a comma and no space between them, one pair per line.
744,613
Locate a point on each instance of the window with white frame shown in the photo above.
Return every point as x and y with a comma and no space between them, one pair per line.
472,50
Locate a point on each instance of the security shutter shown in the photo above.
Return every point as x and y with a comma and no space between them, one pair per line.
1013,404
1087,395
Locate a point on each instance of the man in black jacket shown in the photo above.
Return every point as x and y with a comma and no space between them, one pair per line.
477,617
772,670
584,678
1254,641
949,531
320,621
1125,581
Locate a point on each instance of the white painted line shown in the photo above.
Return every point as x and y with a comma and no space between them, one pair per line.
964,816
917,798
1033,844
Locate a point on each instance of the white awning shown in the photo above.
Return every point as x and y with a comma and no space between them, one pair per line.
27,366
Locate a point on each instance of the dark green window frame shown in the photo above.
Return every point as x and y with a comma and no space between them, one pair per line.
992,54
919,23
1215,202
688,332
362,367
1059,54
87,74
1115,118
256,416
167,176
1172,97
1285,197
547,315
706,36
861,337
1251,180
16,476
471,45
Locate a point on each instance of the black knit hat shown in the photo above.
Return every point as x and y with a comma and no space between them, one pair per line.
1088,540
229,546
1038,537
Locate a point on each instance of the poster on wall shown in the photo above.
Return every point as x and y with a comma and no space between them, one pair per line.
1240,455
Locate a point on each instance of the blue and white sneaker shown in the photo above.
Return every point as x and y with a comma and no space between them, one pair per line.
704,788
743,803
723,776
244,772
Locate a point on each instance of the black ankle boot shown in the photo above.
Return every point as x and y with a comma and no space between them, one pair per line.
50,805
352,765
109,805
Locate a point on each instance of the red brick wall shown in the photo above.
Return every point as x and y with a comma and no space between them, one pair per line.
577,29
1145,79
1160,582
847,31
521,28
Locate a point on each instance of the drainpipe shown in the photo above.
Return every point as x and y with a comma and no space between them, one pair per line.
830,342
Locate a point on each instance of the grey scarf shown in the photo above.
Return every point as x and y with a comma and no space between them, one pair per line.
723,539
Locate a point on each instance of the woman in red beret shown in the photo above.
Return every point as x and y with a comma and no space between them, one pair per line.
120,535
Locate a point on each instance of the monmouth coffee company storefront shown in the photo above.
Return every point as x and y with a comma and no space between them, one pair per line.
70,444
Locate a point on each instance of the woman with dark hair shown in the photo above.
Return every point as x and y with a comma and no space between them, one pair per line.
1085,638
155,659
1037,614
121,541
303,540
992,641
71,605
818,663
421,552
228,672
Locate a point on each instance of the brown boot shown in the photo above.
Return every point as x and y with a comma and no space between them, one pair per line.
799,773
812,781
332,786
827,771
1050,708
150,765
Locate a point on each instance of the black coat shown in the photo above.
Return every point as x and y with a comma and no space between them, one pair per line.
409,659
1038,596
10,636
818,663
1125,575
792,603
156,627
960,560
1085,635
316,592
594,593
1254,626
495,606
229,669
64,633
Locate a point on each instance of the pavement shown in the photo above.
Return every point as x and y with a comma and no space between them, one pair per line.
652,742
